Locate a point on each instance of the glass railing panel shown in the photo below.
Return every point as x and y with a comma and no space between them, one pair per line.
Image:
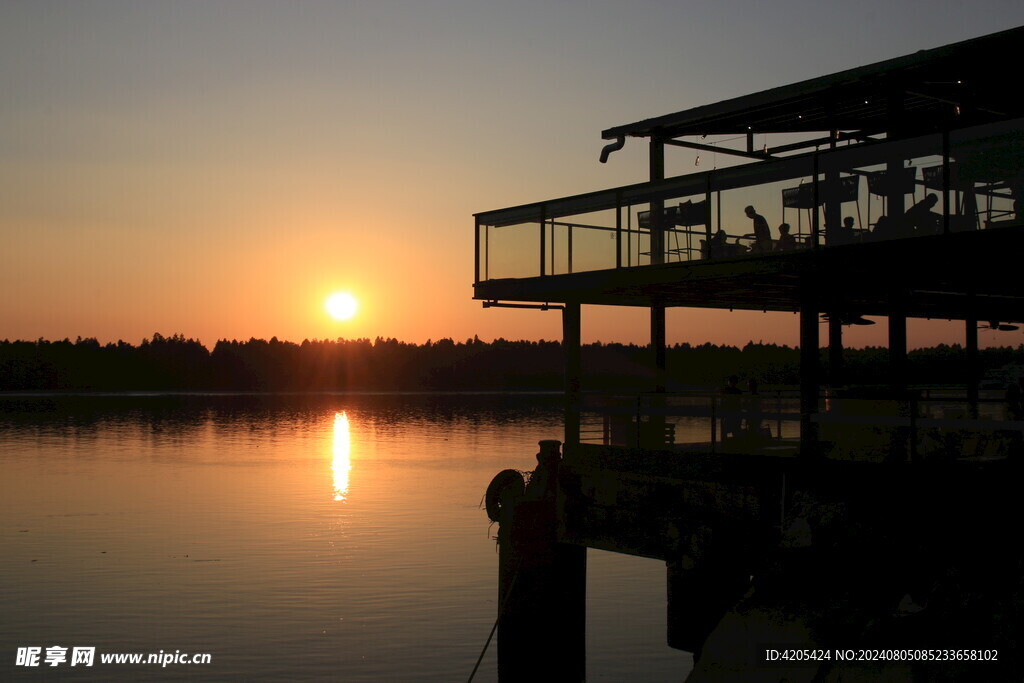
762,209
510,251
885,191
989,172
583,242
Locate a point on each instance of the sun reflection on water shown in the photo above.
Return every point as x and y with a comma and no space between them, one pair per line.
342,462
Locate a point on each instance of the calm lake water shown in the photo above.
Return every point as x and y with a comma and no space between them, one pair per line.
328,537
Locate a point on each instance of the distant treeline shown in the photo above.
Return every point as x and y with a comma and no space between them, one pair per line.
177,363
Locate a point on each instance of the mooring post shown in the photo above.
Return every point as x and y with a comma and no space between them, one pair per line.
542,584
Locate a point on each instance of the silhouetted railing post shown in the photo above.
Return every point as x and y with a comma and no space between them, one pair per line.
476,253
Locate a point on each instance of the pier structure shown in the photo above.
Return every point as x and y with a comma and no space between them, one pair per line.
829,517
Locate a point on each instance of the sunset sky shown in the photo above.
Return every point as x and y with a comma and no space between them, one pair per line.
219,168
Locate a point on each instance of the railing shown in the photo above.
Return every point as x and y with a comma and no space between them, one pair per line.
918,426
968,179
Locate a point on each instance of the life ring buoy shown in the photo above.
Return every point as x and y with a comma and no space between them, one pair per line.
501,481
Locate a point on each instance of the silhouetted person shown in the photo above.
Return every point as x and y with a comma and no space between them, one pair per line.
731,417
762,233
842,234
920,219
786,241
716,245
885,229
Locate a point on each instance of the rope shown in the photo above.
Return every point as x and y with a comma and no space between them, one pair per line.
494,628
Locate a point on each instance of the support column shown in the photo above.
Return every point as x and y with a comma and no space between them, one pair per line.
894,167
971,345
656,419
658,348
657,172
652,433
835,350
810,383
903,440
834,233
571,319
898,349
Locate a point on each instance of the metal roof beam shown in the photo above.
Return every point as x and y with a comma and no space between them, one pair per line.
760,156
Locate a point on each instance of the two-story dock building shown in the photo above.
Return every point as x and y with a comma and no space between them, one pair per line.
829,517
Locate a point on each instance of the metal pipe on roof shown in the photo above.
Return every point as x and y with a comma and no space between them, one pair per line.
619,143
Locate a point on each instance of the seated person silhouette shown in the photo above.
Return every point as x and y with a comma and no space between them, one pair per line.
786,242
891,228
842,234
762,233
920,219
885,229
719,248
716,244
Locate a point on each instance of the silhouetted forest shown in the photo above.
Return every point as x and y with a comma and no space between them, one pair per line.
178,363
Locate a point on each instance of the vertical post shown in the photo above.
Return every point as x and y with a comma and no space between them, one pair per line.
569,247
810,385
833,196
815,213
971,346
894,167
543,242
657,169
554,271
835,350
707,212
657,172
618,229
476,252
658,347
571,318
901,437
946,182
718,206
898,348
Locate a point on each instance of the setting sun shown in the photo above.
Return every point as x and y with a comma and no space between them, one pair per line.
342,305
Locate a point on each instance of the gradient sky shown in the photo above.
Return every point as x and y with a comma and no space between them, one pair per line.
217,168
